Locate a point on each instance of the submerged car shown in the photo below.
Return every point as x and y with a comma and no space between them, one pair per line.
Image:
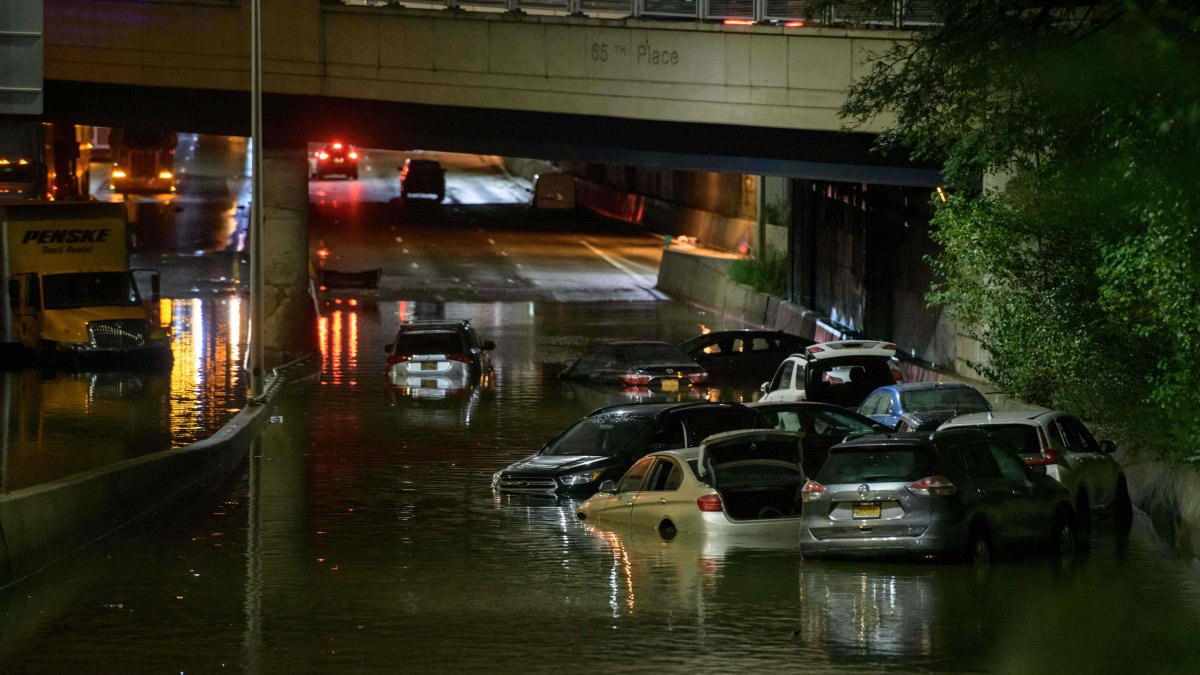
637,363
843,373
739,482
602,445
423,177
957,493
438,354
336,159
822,426
922,406
742,355
1068,452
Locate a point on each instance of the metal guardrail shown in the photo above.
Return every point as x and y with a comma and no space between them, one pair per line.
879,13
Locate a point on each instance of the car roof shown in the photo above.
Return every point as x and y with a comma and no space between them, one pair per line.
917,386
844,348
1007,417
654,408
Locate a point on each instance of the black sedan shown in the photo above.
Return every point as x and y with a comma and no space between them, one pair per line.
823,425
640,363
743,355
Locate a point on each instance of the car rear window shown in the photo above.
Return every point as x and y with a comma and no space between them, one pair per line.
429,343
1020,438
604,435
960,399
876,464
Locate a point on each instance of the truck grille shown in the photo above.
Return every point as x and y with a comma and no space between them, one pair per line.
544,485
143,164
118,334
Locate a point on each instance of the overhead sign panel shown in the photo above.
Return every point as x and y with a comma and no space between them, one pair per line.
21,57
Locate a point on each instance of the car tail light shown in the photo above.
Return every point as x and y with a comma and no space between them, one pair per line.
889,346
812,491
353,155
398,358
698,378
636,379
461,358
816,349
710,503
323,155
1049,455
932,485
337,146
897,375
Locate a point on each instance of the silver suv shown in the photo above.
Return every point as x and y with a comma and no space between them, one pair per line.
1065,448
438,354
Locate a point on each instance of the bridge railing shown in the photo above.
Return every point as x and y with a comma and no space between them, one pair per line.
880,13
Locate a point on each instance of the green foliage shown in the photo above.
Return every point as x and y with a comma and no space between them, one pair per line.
1081,278
767,276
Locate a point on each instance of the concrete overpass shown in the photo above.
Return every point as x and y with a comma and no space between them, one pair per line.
751,99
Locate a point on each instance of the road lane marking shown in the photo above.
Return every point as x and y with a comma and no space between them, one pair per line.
618,264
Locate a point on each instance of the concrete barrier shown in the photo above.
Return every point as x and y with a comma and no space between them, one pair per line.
43,523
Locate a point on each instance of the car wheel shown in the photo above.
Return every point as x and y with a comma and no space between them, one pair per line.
1122,506
1083,520
666,530
1064,543
979,546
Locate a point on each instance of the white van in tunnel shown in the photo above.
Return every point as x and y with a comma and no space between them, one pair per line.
553,192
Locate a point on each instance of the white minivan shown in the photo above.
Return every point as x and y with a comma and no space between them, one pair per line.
842,372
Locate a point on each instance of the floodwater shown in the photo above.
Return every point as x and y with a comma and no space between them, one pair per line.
363,537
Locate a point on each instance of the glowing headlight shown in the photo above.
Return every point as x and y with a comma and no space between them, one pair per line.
579,478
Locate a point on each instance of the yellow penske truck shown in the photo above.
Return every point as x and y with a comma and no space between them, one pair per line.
69,291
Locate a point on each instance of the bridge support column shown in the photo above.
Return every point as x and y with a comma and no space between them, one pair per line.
289,314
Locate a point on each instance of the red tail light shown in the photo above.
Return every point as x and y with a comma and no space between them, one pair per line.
710,503
398,358
323,155
793,24
461,358
337,146
932,485
698,378
890,346
815,349
812,490
353,155
1049,454
636,379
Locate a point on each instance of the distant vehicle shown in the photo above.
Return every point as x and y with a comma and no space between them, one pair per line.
41,161
602,445
438,354
735,483
1069,453
423,177
822,426
743,355
637,363
922,406
843,372
958,493
143,160
553,192
336,159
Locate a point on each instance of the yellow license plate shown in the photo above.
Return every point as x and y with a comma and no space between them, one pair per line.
867,510
429,365
670,385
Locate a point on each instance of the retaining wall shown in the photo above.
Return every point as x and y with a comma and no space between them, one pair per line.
1168,494
43,523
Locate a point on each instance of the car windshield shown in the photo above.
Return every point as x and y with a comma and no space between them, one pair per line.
425,342
815,421
959,399
602,435
89,289
876,464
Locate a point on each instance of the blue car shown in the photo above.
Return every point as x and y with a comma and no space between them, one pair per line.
922,406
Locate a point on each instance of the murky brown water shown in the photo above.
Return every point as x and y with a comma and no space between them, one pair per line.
363,537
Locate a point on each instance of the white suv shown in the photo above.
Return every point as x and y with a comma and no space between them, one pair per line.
842,372
1062,445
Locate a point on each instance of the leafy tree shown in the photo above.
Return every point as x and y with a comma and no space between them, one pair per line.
1081,274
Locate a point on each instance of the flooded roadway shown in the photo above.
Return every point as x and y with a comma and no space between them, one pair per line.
363,536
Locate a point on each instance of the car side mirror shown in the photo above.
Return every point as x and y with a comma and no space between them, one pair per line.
1108,447
765,387
488,344
608,487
